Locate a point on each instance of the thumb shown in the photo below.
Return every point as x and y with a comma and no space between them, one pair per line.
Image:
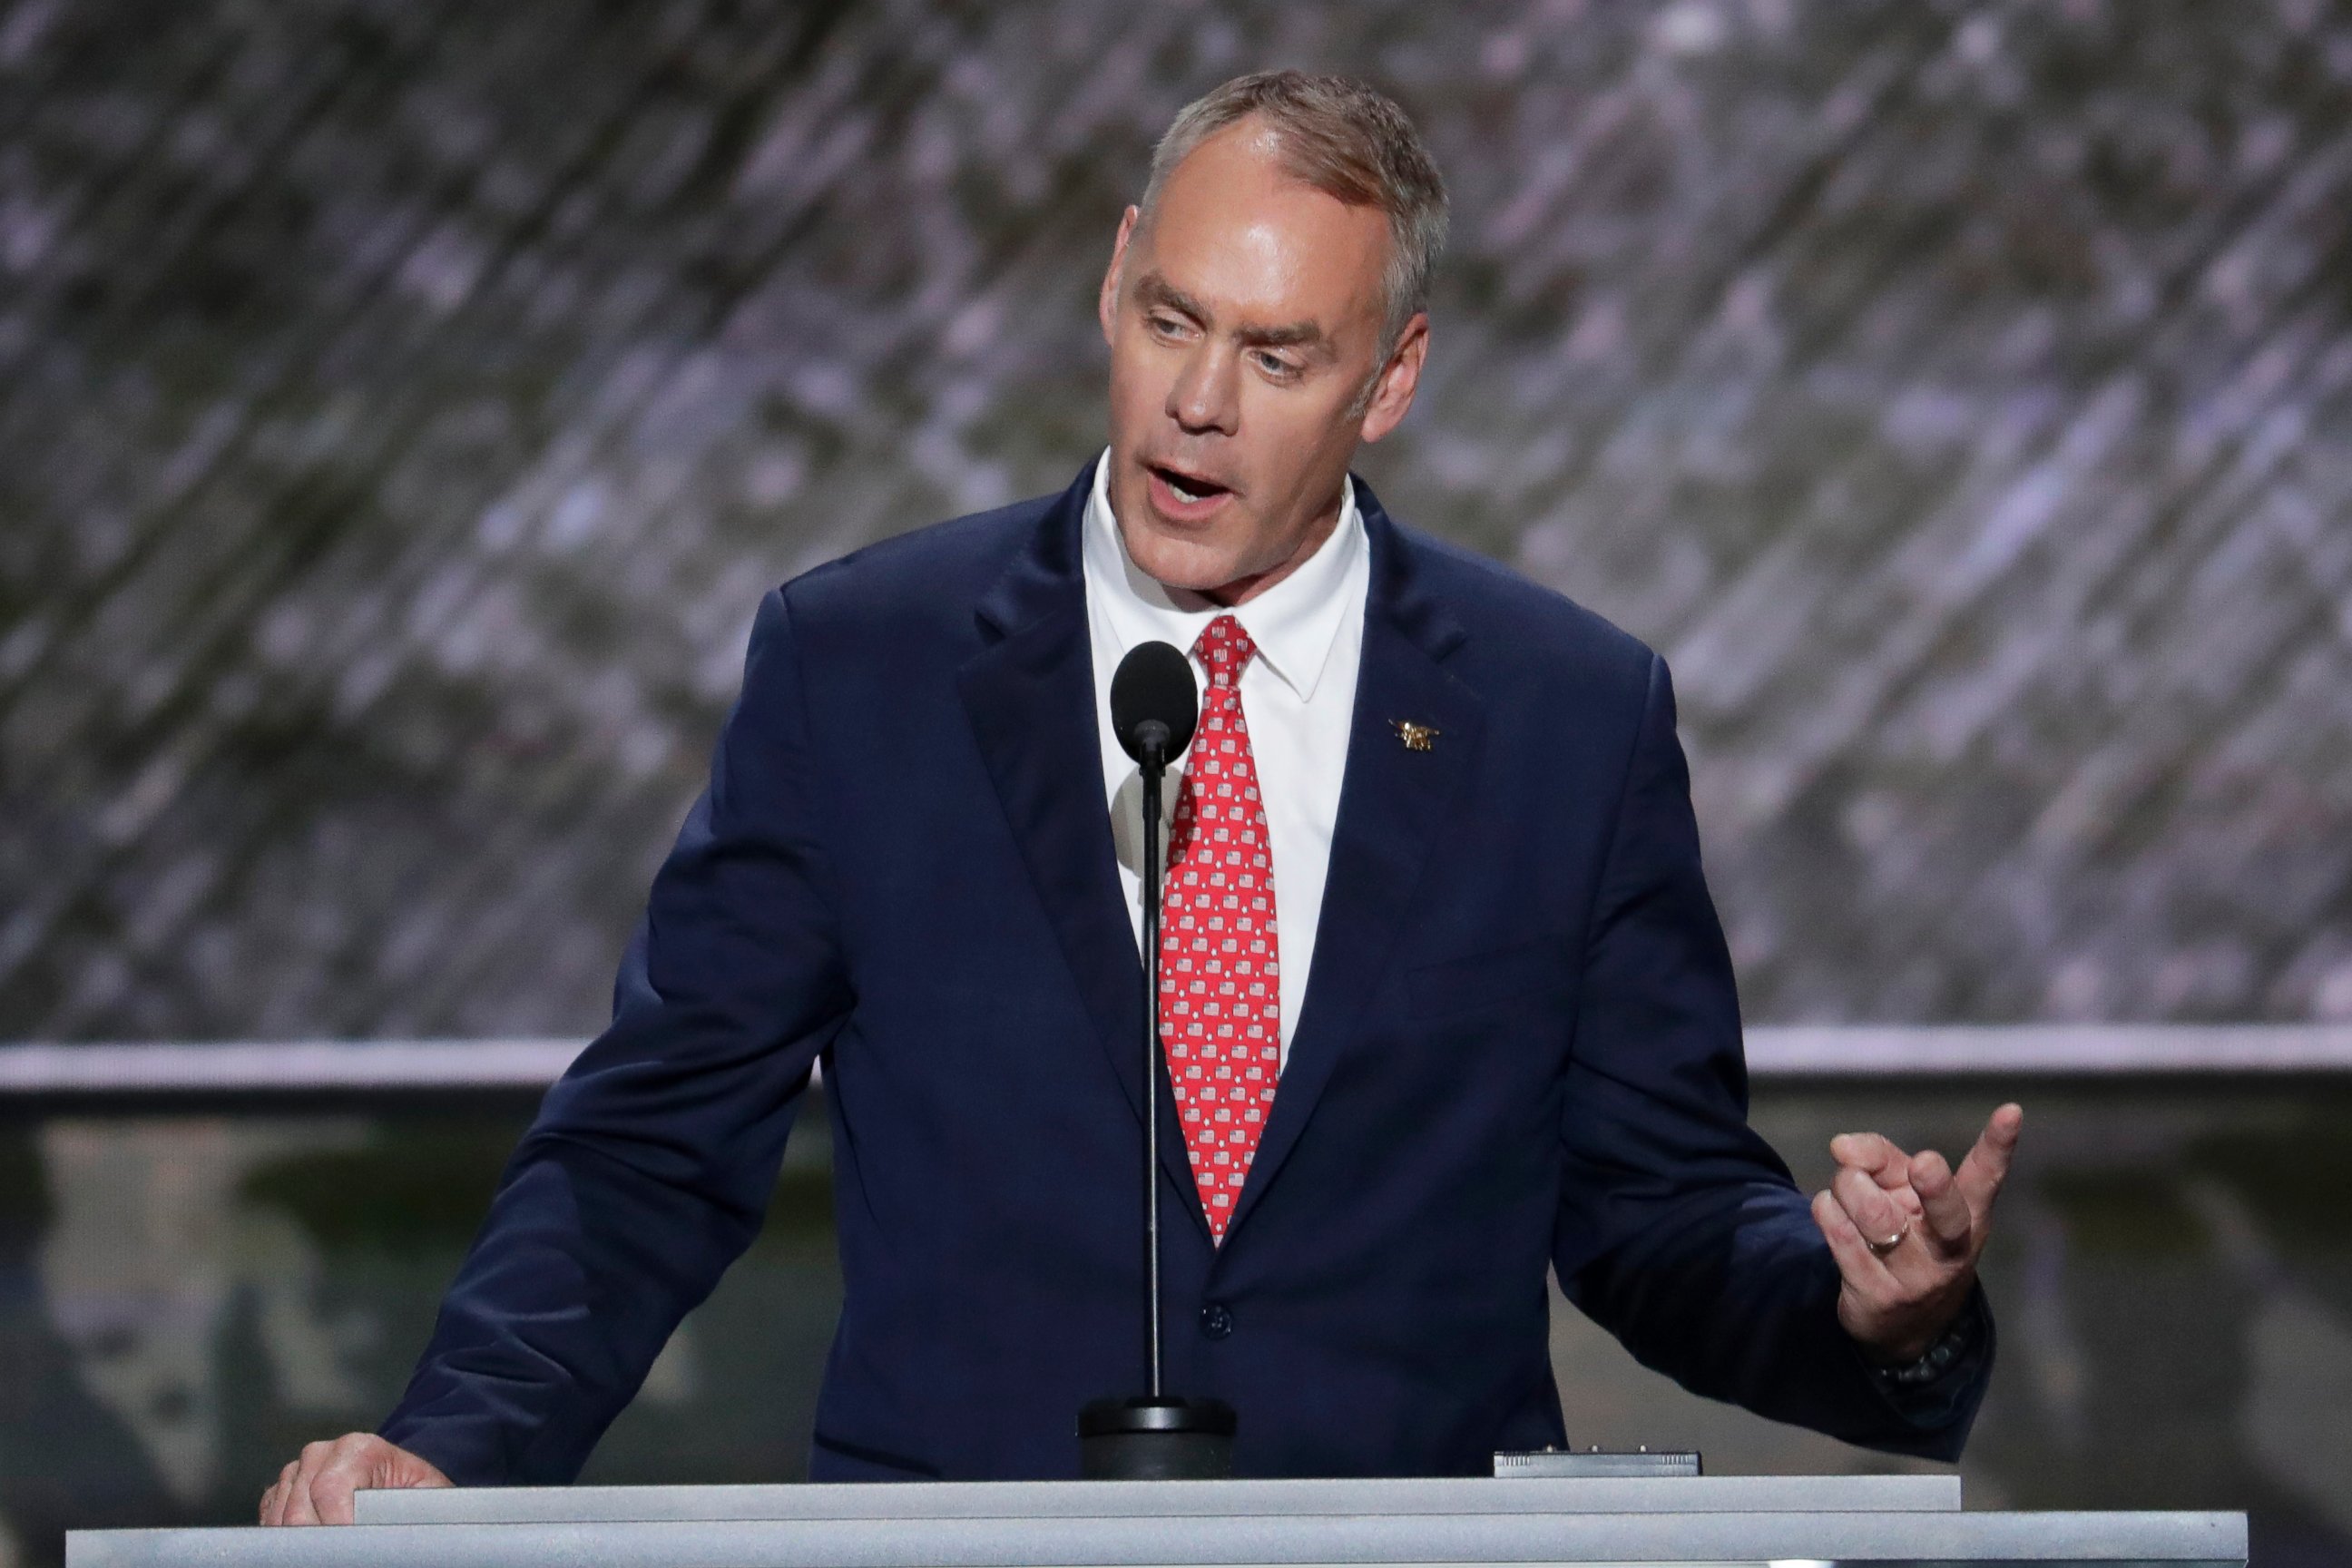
1980,1175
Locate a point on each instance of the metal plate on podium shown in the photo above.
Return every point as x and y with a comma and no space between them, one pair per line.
1166,1499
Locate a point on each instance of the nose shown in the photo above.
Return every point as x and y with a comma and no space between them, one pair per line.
1204,397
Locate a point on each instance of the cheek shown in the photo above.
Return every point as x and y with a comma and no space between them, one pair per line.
1291,435
1138,370
1135,392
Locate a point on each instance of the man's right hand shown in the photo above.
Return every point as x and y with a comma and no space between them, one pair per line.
317,1488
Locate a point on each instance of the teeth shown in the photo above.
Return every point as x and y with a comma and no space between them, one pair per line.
1182,493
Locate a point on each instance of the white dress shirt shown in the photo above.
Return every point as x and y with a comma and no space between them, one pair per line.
1298,698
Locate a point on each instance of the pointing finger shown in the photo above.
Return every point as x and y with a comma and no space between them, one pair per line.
1949,1223
1986,1166
1873,1154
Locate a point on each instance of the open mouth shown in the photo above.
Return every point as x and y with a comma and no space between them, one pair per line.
1189,492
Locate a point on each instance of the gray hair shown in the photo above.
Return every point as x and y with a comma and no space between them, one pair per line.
1347,140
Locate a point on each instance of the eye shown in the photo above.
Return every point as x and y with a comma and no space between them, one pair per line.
1164,326
1275,365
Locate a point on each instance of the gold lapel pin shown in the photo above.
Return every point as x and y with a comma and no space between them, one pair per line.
1416,737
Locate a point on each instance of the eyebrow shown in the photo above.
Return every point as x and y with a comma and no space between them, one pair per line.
1152,289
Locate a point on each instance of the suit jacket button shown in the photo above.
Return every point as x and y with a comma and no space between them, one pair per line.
1217,1321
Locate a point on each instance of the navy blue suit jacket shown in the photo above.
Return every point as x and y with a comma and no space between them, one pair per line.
1519,1050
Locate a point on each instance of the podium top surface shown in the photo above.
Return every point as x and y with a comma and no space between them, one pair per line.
1439,1497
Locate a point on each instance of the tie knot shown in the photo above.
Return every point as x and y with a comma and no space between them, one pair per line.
1225,650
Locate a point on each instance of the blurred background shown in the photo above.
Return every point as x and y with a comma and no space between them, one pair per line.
403,405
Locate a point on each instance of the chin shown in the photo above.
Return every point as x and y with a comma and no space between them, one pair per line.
1181,564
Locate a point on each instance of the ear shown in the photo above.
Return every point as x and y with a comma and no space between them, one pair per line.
1399,378
1106,303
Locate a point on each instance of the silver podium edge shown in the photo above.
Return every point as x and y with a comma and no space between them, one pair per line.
1204,1540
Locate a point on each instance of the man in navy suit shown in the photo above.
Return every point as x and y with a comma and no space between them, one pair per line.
1463,1012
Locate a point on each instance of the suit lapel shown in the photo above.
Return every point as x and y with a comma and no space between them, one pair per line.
1030,694
1393,802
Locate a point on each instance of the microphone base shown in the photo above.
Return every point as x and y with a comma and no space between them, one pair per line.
1163,1438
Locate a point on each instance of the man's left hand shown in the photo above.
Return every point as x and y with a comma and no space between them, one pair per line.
1906,1230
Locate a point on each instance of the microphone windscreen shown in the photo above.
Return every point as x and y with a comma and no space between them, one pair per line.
1154,681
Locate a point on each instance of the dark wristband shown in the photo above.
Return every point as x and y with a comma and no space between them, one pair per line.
1952,1347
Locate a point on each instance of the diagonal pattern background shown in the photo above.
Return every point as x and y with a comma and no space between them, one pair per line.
403,406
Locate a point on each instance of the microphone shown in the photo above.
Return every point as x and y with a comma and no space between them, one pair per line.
1154,708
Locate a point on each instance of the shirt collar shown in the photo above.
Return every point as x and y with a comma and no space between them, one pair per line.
1293,624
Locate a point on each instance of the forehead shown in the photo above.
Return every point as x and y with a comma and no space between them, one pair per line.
1234,228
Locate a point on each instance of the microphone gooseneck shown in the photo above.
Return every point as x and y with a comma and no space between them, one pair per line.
1154,765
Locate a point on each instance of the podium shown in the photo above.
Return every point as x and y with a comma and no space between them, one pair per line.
1779,1520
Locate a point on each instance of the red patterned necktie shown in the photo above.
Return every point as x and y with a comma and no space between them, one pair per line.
1219,996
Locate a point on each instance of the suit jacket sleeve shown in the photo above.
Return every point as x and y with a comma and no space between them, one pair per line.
650,1164
1680,1231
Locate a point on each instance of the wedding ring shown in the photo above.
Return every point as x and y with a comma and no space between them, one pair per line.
1883,1247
